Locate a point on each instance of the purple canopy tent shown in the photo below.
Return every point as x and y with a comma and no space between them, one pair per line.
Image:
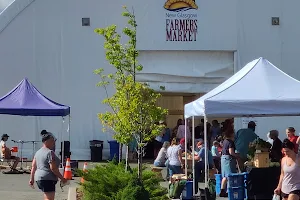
26,100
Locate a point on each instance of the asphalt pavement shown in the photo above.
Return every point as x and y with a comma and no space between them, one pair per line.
15,187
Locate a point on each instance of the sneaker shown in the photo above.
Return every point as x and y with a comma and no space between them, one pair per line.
223,193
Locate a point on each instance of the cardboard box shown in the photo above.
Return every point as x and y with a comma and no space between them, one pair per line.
262,160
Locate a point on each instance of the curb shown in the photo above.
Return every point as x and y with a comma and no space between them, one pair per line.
72,193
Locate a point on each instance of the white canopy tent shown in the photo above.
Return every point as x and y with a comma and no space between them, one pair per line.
259,89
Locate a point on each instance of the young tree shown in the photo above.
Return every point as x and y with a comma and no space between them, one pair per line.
134,111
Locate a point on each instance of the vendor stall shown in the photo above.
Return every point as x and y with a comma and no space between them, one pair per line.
258,90
26,100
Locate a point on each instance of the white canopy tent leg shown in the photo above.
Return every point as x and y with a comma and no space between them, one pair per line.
193,155
206,152
68,130
62,139
185,145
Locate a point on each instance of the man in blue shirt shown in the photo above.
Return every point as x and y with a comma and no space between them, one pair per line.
200,161
242,140
167,133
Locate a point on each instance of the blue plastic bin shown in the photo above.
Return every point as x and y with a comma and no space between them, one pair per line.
236,180
187,192
114,149
236,193
218,183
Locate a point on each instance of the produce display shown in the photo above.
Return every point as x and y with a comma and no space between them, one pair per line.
258,144
274,164
189,155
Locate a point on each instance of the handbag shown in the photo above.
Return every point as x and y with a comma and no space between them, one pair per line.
276,197
176,188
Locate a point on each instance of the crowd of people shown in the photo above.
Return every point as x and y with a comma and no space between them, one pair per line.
227,152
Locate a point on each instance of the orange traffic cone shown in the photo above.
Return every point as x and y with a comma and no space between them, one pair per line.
68,171
84,171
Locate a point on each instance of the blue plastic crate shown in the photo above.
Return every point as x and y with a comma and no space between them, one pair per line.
236,193
236,180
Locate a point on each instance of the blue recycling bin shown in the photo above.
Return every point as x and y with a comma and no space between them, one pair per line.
236,193
236,180
237,186
114,149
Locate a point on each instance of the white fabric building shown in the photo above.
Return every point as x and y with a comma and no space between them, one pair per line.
46,42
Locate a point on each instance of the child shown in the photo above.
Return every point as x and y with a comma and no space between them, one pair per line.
216,155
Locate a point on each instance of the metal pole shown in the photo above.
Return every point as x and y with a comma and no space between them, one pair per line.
69,125
193,155
206,155
185,164
62,145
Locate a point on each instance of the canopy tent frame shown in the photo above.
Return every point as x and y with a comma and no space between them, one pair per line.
199,108
26,100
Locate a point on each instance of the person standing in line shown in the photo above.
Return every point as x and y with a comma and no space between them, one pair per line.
200,161
242,140
181,133
276,149
167,134
175,129
290,133
289,181
45,170
174,154
216,155
228,159
215,130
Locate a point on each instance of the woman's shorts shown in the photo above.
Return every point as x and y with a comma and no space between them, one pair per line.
46,185
228,165
297,192
173,169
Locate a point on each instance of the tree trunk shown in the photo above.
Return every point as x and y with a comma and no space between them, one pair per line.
127,156
140,157
120,152
140,166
